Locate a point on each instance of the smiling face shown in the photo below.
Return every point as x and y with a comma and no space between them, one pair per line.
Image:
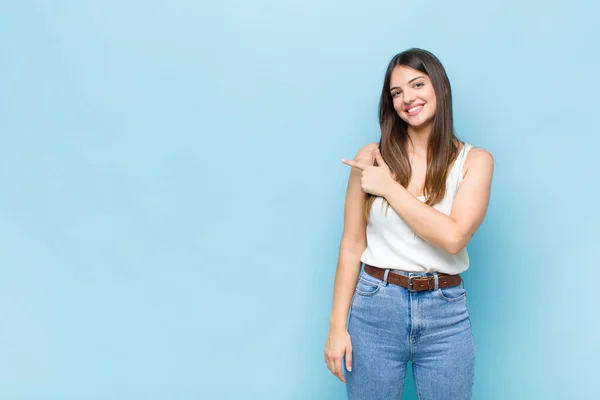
413,96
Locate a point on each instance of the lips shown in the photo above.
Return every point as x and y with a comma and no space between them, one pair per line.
414,109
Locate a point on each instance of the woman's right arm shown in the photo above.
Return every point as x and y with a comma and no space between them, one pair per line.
353,243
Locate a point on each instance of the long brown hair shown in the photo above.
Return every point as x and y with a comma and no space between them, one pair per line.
442,146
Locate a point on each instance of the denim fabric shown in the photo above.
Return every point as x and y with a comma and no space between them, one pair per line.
390,326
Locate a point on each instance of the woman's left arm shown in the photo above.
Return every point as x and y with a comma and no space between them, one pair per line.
453,232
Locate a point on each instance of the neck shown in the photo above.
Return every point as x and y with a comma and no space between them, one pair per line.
419,136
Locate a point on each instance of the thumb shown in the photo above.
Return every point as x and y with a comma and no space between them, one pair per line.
380,161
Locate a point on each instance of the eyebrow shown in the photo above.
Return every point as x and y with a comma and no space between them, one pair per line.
413,79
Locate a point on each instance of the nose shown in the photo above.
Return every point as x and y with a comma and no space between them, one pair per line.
409,97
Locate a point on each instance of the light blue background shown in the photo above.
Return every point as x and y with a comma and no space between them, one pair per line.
172,191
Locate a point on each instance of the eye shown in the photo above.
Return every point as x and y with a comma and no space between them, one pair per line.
420,84
396,93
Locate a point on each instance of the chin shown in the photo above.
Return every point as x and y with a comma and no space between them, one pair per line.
421,123
418,124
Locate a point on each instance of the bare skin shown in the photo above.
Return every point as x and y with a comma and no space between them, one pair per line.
409,89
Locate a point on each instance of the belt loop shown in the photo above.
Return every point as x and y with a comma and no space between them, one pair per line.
435,278
385,276
409,283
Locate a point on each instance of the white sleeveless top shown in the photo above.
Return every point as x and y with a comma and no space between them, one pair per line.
391,243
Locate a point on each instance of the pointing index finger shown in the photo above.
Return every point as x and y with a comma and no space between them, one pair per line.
354,164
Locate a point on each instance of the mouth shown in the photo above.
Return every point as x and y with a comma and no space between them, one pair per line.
414,110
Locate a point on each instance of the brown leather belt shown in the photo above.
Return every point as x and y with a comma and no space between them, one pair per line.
414,283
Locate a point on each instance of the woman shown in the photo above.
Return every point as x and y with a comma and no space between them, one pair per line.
413,202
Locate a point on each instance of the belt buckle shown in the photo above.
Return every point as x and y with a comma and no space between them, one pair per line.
409,287
431,283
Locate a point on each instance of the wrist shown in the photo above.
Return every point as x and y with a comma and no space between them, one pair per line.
337,326
389,188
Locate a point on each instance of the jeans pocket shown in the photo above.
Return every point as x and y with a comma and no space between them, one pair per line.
367,285
453,293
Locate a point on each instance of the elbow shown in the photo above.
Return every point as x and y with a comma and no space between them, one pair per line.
454,249
456,244
353,245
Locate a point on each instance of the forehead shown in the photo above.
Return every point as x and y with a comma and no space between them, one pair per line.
401,75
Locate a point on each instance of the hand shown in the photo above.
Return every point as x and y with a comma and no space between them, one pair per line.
338,344
374,179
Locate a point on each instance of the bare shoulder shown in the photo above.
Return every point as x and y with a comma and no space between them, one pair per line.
365,153
479,159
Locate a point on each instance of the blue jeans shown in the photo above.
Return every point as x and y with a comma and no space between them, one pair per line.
389,326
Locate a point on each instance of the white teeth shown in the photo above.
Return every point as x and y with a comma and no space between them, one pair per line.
414,109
